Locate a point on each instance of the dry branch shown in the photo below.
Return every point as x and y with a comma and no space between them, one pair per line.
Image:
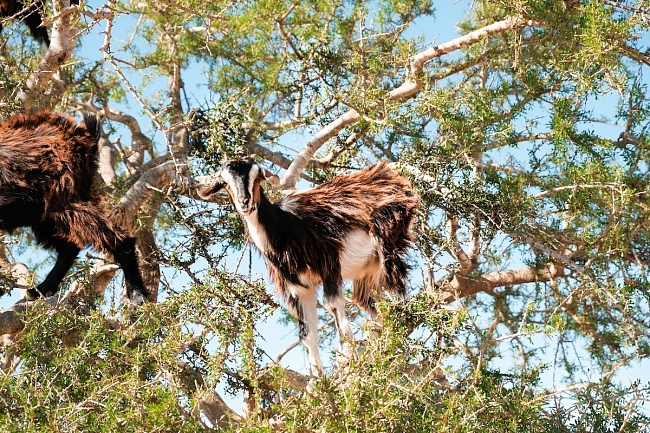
57,54
412,85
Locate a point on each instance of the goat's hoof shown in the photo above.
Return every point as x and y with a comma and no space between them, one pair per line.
131,313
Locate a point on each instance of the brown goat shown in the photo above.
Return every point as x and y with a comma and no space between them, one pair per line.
48,182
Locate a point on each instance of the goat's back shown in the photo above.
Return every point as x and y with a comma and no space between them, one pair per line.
355,199
49,152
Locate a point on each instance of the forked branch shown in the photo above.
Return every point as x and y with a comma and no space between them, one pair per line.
411,86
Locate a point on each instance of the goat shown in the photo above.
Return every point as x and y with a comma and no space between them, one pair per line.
30,11
355,227
48,172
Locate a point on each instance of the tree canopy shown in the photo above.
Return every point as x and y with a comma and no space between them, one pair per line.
525,135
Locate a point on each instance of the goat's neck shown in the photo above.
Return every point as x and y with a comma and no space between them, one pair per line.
267,219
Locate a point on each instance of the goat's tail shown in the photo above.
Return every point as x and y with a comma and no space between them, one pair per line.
391,225
92,124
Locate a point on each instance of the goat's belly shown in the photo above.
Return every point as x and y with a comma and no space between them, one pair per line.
360,255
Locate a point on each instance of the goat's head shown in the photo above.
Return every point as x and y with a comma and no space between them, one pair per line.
242,180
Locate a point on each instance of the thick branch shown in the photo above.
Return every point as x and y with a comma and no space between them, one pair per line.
148,250
11,320
107,156
411,86
216,410
56,55
461,286
126,210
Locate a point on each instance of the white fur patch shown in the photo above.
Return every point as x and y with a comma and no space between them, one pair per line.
255,171
357,256
307,301
256,231
227,177
300,291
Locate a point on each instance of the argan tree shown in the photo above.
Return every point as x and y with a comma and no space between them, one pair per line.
524,133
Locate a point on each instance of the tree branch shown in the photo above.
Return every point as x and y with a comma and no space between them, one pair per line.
139,142
456,250
412,85
460,286
553,191
57,54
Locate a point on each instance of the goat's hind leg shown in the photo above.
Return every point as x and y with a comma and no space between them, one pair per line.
126,256
366,292
87,224
334,301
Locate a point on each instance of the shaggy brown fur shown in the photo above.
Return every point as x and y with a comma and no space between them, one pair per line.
48,182
377,200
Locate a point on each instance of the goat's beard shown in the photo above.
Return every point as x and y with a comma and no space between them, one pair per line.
248,210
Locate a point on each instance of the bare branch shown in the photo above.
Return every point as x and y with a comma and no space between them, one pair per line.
412,85
99,277
57,54
216,410
11,320
456,249
460,286
126,210
475,241
139,142
552,191
107,156
413,82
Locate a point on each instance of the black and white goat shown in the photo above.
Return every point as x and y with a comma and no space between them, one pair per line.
355,227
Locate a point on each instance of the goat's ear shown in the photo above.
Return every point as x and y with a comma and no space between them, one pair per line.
269,177
206,186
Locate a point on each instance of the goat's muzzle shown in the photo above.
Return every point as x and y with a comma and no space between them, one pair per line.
207,186
247,205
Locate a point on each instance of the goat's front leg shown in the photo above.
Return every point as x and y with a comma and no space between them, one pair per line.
302,303
126,256
67,254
